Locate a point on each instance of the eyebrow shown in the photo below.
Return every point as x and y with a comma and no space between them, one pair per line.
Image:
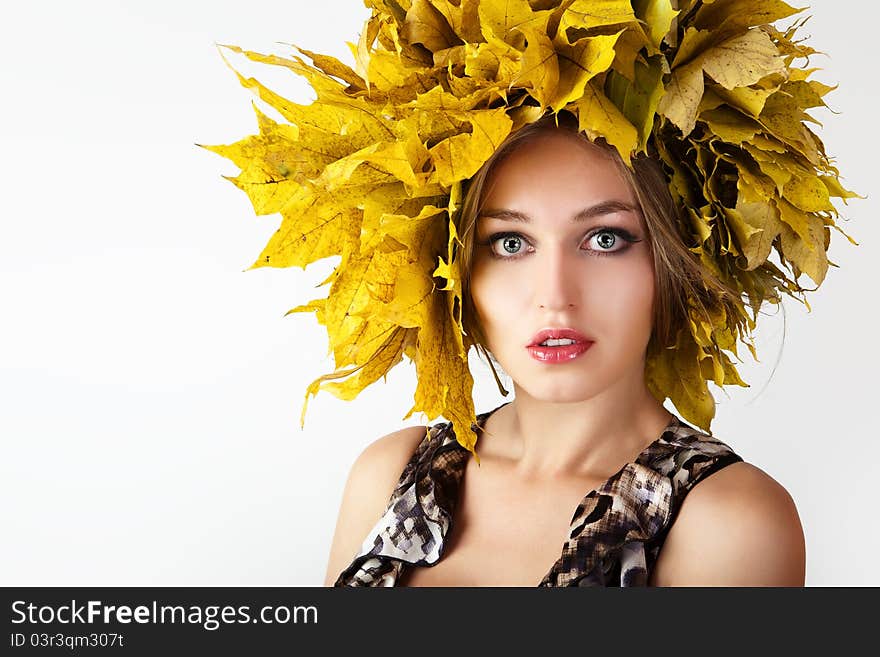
605,207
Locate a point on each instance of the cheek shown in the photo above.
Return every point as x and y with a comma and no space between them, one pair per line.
483,290
624,296
494,297
641,287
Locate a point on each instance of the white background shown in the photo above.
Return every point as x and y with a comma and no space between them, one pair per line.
150,390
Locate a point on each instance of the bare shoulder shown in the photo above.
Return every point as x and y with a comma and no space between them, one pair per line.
371,481
736,527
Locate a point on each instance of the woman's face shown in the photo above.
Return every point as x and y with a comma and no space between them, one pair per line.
560,243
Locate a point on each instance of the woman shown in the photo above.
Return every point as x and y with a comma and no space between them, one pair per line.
561,241
451,172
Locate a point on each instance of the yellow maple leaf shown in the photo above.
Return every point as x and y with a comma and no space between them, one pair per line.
681,102
756,225
735,15
590,14
748,100
806,255
461,155
579,63
539,67
676,373
493,59
599,117
461,16
737,62
509,20
426,25
658,16
729,125
638,99
444,380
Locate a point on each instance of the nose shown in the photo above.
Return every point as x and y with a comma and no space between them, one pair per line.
556,279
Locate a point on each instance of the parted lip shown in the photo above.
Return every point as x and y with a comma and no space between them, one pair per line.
557,333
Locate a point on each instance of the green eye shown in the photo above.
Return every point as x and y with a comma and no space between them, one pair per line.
605,239
511,244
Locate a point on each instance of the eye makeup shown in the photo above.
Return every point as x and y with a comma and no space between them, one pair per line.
622,235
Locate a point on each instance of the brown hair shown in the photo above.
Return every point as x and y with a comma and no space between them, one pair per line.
678,273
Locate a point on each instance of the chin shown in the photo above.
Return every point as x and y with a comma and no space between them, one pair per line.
555,397
566,384
559,387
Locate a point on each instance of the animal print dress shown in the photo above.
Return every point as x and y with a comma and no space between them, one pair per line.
615,534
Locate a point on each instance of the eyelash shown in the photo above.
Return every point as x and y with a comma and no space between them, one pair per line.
623,234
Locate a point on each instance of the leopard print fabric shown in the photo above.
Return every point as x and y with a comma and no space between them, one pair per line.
615,534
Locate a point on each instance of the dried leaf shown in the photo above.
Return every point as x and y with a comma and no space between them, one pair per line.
599,117
741,14
579,63
681,102
658,15
425,25
737,62
589,14
756,226
539,70
509,19
806,255
460,156
743,60
638,99
492,60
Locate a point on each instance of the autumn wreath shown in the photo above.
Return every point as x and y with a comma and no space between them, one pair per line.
372,170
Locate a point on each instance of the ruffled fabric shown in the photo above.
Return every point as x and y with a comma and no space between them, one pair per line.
615,534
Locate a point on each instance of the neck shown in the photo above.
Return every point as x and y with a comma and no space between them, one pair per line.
587,438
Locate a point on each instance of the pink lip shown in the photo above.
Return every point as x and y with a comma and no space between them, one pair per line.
561,353
557,333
